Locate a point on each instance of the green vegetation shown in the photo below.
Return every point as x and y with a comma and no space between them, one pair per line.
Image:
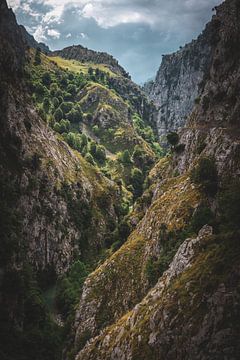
205,175
229,206
63,91
173,138
69,288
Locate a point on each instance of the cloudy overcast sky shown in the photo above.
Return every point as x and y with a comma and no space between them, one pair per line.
136,32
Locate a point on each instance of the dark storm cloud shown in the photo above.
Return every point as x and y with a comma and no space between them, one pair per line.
136,32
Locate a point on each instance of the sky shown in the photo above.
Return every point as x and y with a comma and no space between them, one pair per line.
136,32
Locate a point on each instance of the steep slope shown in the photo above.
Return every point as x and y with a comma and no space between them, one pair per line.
191,312
52,201
180,79
76,147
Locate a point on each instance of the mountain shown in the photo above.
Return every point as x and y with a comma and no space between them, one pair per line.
111,248
180,79
32,42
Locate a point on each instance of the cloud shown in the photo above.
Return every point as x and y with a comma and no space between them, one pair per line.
55,34
136,32
39,34
110,13
84,36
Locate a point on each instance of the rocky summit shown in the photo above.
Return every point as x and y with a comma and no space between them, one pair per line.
120,205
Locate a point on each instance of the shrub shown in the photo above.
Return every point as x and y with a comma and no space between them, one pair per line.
202,216
74,115
40,89
137,180
93,148
229,206
84,140
66,107
72,89
179,148
55,102
58,115
69,288
205,175
125,157
89,158
96,130
53,89
173,138
46,78
46,105
100,153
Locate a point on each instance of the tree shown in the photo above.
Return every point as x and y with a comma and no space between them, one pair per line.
74,115
84,140
58,115
173,138
53,89
40,89
89,159
37,59
137,180
100,153
90,71
96,130
46,105
125,157
46,78
93,148
72,89
55,102
138,155
229,205
64,126
205,175
66,107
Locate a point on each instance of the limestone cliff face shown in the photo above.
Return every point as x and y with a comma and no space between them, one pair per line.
213,127
190,312
165,324
179,81
51,189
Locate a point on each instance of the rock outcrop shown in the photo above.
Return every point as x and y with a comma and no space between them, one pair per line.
51,188
180,79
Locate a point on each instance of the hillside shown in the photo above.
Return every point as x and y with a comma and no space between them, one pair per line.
83,54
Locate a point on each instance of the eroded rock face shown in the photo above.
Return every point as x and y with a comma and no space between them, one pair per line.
179,81
174,321
44,181
190,313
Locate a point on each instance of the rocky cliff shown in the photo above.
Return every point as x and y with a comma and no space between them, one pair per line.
49,194
180,79
190,311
